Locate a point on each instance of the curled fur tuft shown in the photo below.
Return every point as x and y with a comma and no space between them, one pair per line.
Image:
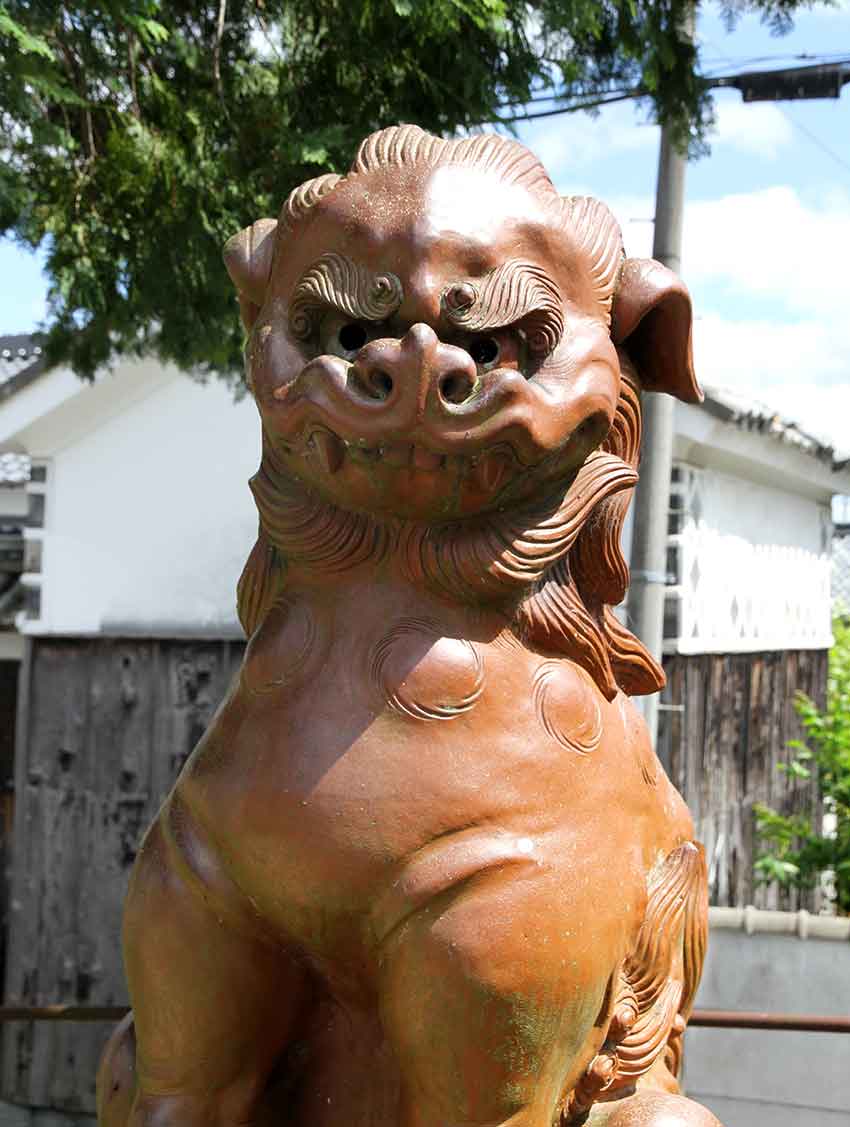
570,609
598,237
568,554
404,145
300,200
657,984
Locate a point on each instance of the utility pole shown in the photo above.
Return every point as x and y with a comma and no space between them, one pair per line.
648,580
652,497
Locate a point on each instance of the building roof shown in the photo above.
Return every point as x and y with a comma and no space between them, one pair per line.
21,361
752,415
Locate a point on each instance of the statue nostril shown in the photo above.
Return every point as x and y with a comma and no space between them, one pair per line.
381,383
456,387
374,383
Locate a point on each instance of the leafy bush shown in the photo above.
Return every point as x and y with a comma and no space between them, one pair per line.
795,851
136,136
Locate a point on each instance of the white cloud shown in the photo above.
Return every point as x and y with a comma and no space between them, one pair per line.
760,128
788,258
764,354
801,369
572,142
635,216
771,244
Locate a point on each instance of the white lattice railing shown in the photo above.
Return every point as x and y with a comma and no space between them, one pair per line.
841,572
732,595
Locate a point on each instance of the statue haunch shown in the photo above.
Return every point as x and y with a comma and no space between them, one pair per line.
424,869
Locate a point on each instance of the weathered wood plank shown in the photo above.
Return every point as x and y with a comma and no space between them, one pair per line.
8,700
110,723
725,749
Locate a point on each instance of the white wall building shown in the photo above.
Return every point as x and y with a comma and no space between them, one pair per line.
751,530
141,515
140,491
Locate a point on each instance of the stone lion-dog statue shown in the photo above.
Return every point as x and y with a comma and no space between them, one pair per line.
425,869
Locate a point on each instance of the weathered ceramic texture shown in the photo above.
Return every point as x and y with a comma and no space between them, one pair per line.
424,867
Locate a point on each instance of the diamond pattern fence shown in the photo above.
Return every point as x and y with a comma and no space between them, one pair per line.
841,569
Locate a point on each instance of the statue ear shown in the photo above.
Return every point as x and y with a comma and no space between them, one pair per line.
651,318
248,258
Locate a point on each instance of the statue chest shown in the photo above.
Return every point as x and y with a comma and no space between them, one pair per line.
368,772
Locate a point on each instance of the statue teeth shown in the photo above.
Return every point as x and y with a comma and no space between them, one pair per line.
423,459
396,454
330,449
491,470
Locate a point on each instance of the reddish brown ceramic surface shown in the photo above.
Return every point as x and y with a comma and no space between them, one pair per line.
424,868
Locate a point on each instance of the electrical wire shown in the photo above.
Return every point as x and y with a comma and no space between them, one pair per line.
817,141
609,97
555,95
837,57
802,56
573,107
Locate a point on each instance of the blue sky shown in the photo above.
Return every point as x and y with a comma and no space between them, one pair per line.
766,249
767,226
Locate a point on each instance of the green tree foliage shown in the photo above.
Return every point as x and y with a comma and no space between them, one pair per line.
137,135
795,850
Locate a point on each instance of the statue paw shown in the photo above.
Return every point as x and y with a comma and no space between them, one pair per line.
652,1109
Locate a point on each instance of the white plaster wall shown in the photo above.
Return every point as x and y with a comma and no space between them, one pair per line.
770,1078
149,517
14,503
753,565
760,514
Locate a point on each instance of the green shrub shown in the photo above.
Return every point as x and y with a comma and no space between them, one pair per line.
794,851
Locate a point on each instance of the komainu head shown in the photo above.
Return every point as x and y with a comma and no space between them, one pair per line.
443,351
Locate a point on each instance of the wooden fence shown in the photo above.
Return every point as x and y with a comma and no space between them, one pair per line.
104,725
726,721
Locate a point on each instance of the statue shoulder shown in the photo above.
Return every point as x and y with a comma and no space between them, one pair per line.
286,649
639,751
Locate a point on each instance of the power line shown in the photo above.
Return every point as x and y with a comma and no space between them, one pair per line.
590,96
817,141
555,95
803,56
573,107
608,97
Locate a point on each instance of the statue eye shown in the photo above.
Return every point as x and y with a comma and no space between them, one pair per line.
484,351
343,338
352,336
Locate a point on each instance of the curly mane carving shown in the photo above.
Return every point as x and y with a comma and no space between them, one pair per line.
596,232
571,557
550,545
515,292
336,280
656,984
570,610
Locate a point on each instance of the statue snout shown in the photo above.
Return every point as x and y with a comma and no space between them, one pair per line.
417,374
